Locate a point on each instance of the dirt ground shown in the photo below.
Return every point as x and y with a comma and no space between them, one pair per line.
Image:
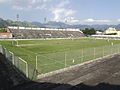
106,70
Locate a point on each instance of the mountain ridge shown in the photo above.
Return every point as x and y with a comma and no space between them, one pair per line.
53,24
80,26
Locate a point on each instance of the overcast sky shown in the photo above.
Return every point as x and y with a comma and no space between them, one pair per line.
69,11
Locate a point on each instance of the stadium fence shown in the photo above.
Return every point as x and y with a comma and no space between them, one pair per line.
44,63
19,63
59,60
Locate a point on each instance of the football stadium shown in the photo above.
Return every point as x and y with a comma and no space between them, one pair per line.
59,45
44,53
54,54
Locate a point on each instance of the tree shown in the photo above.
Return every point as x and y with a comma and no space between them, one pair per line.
88,31
3,23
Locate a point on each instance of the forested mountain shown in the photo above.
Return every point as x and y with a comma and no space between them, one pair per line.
53,24
80,26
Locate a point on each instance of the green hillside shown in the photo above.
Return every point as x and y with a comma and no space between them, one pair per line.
5,23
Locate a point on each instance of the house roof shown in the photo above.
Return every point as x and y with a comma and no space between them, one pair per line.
5,33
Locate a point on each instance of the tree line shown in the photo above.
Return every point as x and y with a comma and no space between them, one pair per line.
89,31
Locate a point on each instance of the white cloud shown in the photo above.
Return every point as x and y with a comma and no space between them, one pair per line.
89,20
118,20
63,3
71,20
28,1
18,2
60,12
17,7
26,4
34,1
46,0
69,12
3,1
42,7
22,8
96,21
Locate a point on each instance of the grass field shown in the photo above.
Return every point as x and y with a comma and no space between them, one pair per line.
55,54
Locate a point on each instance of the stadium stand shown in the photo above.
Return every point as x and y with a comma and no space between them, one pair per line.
33,33
105,36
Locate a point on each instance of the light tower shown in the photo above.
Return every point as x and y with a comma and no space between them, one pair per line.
17,20
45,19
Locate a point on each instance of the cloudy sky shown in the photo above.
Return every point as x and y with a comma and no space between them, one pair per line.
68,11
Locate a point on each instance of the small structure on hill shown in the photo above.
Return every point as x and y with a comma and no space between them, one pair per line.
99,32
112,31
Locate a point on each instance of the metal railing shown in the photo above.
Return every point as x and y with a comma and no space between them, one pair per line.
44,63
54,61
19,63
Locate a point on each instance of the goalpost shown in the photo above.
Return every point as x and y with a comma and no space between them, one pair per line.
15,43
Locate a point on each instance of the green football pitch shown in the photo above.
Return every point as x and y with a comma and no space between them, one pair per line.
54,54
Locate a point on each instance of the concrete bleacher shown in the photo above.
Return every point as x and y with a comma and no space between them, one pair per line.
32,33
105,36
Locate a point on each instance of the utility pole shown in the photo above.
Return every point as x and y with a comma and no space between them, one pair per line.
45,20
18,20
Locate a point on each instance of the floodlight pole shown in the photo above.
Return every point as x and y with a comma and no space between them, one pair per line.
18,20
45,19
